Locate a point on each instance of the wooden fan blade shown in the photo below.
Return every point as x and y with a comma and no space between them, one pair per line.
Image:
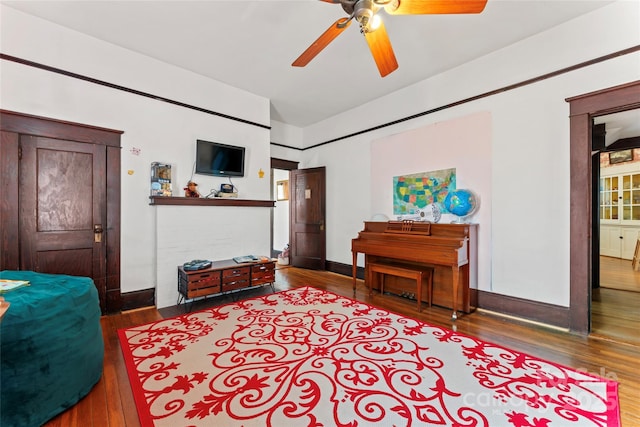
422,7
327,37
381,49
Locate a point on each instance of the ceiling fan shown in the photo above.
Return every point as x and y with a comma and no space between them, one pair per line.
371,25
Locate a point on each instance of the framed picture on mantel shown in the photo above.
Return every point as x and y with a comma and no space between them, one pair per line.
620,156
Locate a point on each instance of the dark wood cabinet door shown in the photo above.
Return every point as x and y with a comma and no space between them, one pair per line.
307,218
62,190
10,242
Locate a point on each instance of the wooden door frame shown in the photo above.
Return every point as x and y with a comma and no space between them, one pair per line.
26,124
583,109
281,164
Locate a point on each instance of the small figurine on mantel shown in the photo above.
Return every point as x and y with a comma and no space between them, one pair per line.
191,190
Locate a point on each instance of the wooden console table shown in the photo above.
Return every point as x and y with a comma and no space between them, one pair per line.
225,276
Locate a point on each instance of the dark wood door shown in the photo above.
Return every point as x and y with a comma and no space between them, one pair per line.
62,199
307,218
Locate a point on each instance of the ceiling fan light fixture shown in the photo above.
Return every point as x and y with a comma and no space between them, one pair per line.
363,12
375,22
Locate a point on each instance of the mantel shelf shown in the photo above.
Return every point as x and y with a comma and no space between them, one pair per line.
201,201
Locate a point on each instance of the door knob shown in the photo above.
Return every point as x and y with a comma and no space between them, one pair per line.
97,233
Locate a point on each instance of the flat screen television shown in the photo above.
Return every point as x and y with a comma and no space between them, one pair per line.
213,158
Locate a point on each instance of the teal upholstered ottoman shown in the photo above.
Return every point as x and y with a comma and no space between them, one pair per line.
51,348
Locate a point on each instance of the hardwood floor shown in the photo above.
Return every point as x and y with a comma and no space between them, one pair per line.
615,315
615,306
617,273
111,403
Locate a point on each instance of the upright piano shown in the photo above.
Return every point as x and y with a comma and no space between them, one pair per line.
450,249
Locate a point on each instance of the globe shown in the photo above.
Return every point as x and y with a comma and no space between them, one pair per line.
461,203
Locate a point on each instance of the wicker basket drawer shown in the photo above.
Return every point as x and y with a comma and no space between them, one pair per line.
235,278
263,268
238,284
234,274
263,273
194,293
199,280
199,284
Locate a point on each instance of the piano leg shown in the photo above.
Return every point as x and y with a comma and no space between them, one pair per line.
456,277
354,271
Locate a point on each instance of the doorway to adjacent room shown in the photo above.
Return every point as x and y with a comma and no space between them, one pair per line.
280,213
615,296
306,199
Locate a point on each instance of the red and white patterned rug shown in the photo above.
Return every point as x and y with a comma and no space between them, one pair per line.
307,357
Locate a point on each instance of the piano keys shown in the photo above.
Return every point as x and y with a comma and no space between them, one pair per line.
451,249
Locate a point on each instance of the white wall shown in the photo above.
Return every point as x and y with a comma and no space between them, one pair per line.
161,131
529,200
462,143
289,136
184,233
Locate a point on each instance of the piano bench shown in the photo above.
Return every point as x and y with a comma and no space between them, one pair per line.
420,274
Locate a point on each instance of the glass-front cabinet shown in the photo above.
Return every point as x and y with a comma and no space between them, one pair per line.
609,190
620,199
619,208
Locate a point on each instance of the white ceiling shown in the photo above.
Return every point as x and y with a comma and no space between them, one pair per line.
251,44
625,124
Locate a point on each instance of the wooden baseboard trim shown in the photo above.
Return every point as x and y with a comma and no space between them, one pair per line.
344,269
535,311
138,299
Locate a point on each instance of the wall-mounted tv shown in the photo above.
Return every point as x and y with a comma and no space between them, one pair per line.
213,158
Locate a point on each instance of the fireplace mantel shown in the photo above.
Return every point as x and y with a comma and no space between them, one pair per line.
201,201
